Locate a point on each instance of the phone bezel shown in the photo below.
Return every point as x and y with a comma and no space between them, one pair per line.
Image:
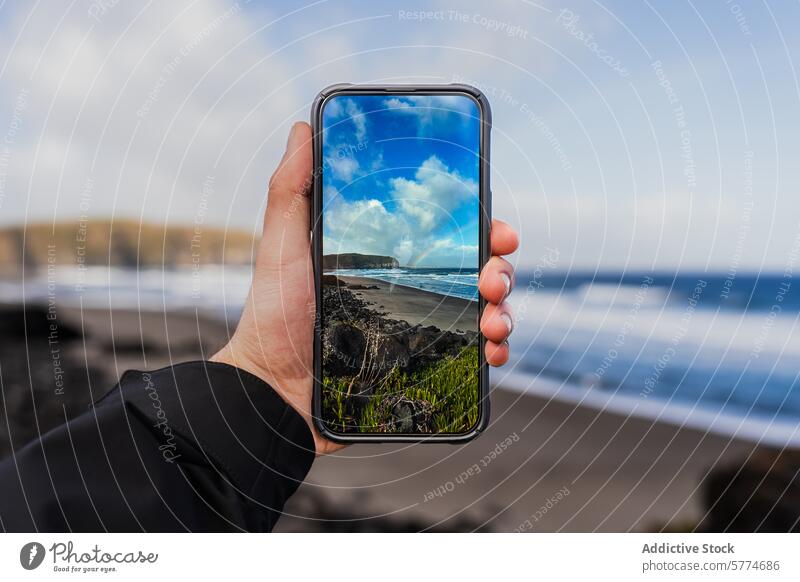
316,252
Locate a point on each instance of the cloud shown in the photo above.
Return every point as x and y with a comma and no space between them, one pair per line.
433,194
433,112
363,226
415,224
396,103
358,118
347,110
344,168
340,157
145,104
663,232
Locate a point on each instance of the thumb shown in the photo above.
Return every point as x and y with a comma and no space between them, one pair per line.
287,218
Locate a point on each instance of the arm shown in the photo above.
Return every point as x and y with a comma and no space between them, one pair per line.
197,446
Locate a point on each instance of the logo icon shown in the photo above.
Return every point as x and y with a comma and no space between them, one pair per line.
31,555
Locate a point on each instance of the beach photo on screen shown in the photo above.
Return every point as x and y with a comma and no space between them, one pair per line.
401,228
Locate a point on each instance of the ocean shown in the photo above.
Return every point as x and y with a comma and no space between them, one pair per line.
461,283
711,351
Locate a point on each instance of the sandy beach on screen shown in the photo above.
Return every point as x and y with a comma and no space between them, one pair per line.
416,306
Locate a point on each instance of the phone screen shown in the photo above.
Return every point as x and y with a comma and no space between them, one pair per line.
401,216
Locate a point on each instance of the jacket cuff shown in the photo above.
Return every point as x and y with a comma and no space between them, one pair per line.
236,419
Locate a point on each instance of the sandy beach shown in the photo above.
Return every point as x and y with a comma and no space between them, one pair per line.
416,306
611,474
541,465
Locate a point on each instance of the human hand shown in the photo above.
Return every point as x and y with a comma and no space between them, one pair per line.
275,336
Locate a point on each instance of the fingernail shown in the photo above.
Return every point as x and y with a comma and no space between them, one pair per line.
506,281
508,321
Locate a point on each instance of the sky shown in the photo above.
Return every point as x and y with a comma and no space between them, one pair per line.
627,135
401,178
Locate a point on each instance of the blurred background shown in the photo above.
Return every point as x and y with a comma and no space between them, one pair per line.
645,151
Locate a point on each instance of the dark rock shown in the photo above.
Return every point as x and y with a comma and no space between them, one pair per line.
393,351
34,321
403,413
348,339
46,376
408,347
343,350
412,416
761,494
360,341
424,339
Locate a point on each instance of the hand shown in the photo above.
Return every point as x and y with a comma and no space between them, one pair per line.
275,336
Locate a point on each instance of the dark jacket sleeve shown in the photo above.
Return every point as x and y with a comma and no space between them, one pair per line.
198,446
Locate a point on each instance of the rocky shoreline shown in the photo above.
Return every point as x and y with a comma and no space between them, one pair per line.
360,335
366,344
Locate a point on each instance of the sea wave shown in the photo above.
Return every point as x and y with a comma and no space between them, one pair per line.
644,352
461,283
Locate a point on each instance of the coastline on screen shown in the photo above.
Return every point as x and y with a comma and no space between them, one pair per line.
400,244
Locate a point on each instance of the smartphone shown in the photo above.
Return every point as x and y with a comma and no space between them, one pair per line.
400,231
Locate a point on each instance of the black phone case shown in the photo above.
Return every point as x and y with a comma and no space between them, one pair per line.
316,252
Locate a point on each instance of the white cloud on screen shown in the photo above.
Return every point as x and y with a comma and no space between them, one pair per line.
395,103
340,158
430,110
434,192
406,227
356,115
345,110
344,168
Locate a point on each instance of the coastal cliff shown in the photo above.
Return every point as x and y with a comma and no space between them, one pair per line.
122,243
359,261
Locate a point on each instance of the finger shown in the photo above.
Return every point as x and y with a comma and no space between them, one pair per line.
504,238
288,201
325,447
496,354
496,280
497,322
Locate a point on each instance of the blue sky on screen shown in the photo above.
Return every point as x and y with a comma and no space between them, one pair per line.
401,177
